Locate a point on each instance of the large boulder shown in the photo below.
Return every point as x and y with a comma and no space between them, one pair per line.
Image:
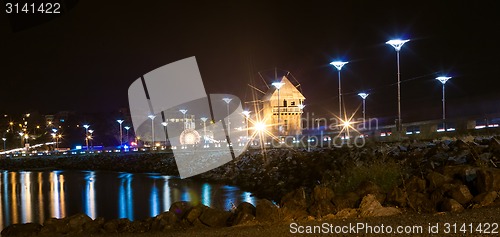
180,208
244,214
488,179
371,207
415,185
321,202
165,221
484,199
294,205
214,217
21,230
266,211
348,200
398,197
451,205
437,180
195,212
461,194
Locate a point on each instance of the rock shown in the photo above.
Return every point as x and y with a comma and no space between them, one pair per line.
246,207
461,194
195,212
488,179
294,204
21,230
77,221
415,185
242,218
54,225
180,208
437,180
464,172
164,221
117,225
215,217
348,200
94,226
398,196
420,202
321,208
484,199
321,193
370,207
368,187
347,213
266,211
451,205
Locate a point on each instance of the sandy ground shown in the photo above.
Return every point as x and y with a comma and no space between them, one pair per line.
474,218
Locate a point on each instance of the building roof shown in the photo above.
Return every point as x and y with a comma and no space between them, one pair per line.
287,91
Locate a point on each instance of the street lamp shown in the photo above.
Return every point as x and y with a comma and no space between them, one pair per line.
127,128
443,81
164,129
363,96
247,116
227,100
183,111
22,137
397,44
339,65
120,121
86,126
4,147
204,119
91,132
278,86
152,117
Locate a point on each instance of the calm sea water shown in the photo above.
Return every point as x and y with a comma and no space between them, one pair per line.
34,196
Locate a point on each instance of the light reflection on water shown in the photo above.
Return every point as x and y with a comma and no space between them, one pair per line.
34,196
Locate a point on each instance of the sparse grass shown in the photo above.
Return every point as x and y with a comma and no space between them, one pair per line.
385,175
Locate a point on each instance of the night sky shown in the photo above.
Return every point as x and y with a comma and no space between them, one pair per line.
86,59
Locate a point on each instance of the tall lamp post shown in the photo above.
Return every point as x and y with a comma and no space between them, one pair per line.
397,44
339,65
164,124
363,96
127,128
278,86
247,116
120,121
86,126
227,100
152,117
4,146
204,119
183,111
443,81
91,132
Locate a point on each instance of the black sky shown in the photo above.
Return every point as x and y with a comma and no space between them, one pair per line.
86,59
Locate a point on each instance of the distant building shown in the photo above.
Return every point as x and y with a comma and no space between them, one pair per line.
287,109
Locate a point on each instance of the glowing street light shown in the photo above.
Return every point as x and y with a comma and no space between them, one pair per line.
363,96
397,44
164,124
86,126
339,65
278,86
204,119
443,81
184,111
21,134
127,128
152,117
4,146
227,100
120,121
91,132
247,116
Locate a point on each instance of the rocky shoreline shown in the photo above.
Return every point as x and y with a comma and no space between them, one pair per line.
448,175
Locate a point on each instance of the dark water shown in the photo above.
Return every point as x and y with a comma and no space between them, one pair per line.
33,196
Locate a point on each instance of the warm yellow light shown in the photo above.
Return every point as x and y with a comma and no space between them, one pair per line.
260,126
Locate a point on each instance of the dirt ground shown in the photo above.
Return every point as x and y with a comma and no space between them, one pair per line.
481,220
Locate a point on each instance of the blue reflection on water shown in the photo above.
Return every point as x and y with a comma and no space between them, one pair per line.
154,201
89,195
126,202
205,194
